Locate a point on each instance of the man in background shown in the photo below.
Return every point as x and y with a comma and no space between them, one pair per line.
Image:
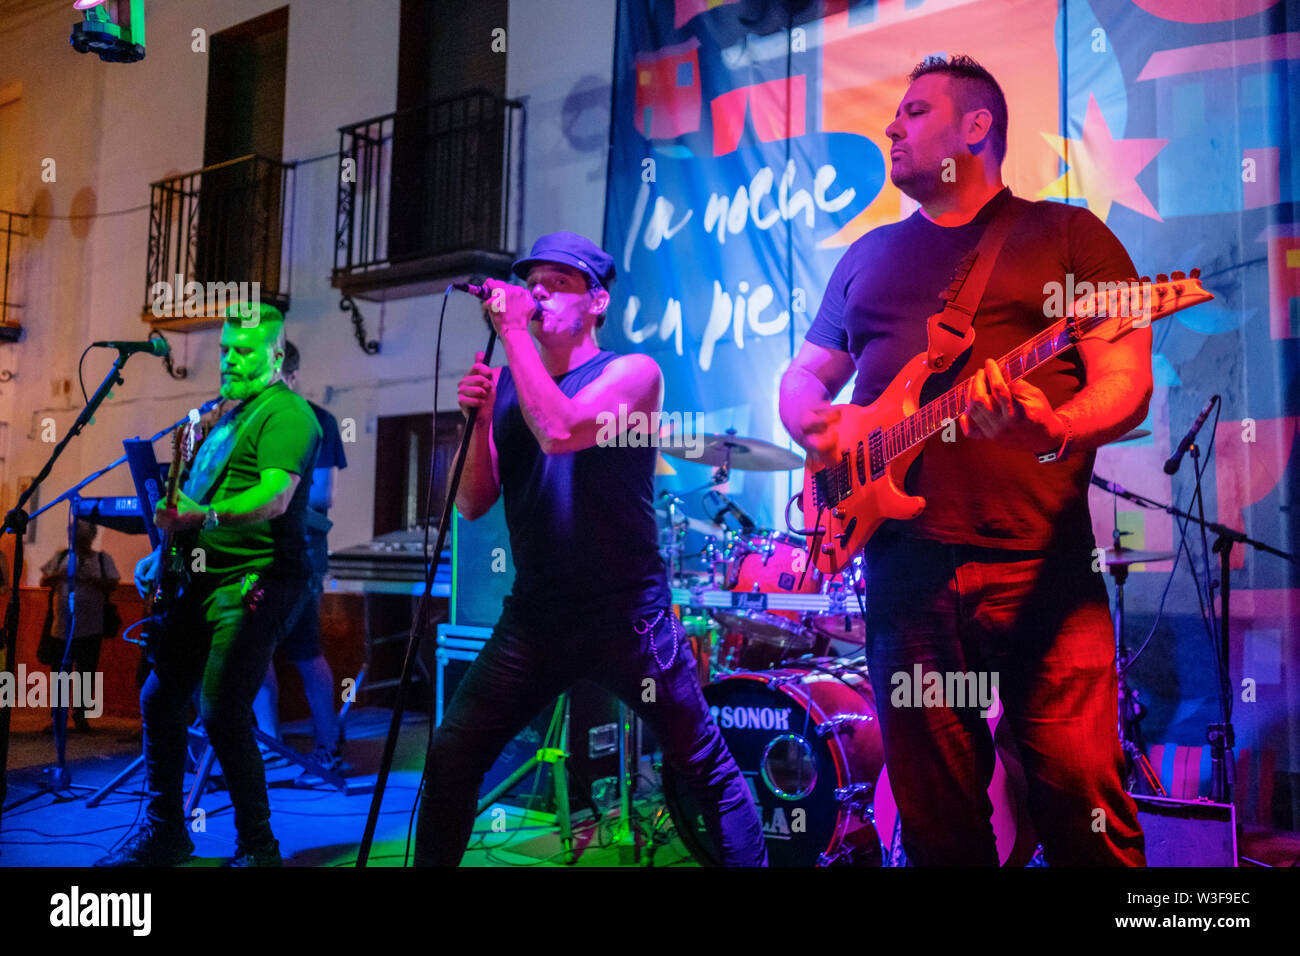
302,644
97,578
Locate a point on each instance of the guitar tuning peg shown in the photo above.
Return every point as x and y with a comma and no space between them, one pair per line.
1161,277
1196,273
1145,280
1178,276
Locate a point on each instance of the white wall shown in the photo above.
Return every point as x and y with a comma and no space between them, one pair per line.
114,128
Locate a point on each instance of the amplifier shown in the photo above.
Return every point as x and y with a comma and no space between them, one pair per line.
1188,832
593,729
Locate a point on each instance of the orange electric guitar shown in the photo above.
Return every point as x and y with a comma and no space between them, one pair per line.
853,490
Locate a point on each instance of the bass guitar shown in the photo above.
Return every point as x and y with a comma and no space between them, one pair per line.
856,486
173,573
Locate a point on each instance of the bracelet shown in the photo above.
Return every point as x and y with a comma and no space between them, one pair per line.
1060,453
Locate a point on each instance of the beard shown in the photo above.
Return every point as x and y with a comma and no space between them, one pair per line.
917,184
242,389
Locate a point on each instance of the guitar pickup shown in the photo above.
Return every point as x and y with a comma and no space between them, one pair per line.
876,453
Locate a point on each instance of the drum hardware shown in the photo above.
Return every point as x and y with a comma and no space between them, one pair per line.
833,725
1117,560
856,798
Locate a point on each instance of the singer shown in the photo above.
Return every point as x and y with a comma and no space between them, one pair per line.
590,597
243,509
995,574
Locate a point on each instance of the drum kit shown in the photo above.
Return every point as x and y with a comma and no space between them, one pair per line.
782,660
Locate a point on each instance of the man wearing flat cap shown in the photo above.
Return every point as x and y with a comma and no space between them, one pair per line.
591,598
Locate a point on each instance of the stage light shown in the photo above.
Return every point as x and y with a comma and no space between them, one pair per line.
112,29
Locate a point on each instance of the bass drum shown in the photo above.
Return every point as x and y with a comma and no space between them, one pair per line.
807,740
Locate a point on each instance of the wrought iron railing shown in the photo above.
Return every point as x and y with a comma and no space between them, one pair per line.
435,179
13,228
226,223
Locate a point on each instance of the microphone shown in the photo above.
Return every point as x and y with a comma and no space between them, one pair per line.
474,287
729,508
158,347
1176,459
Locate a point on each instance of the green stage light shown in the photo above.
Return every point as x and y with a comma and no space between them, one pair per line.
112,29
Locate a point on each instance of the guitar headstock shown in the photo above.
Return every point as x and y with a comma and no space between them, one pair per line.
1118,307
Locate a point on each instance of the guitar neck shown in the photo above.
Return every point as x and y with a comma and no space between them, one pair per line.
1128,302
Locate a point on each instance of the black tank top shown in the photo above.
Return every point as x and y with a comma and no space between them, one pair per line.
582,524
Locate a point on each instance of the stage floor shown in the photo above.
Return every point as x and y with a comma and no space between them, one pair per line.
319,826
316,826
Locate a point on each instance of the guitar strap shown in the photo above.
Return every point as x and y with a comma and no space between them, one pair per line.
213,456
949,331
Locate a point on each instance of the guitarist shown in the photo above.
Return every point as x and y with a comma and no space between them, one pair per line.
239,526
995,575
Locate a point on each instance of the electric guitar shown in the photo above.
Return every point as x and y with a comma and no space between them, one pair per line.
854,489
172,572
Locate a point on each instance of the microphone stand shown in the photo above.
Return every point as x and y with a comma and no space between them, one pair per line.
1218,735
16,522
58,777
418,628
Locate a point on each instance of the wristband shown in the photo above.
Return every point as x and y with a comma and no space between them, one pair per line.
1060,453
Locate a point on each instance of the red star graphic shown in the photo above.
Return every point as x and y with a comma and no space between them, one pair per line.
1102,169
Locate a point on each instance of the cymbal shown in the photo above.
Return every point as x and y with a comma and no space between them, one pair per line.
662,467
1123,557
746,454
1134,435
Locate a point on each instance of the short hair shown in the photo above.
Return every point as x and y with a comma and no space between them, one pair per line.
291,358
974,89
260,315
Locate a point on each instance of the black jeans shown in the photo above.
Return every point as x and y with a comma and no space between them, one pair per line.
1039,622
220,639
533,657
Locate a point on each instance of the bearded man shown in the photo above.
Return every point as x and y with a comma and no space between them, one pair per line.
240,523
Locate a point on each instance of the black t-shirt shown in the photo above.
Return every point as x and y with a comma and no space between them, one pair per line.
582,524
331,456
876,305
331,442
274,429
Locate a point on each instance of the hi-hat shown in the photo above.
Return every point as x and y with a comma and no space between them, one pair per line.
745,454
1124,557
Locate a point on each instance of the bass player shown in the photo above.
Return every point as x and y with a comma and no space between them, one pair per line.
996,573
239,524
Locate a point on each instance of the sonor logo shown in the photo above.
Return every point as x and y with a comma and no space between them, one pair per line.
752,718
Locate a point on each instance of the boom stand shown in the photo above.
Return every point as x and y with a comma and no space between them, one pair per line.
16,522
1219,735
418,628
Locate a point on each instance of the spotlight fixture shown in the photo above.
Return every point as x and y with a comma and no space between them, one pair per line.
112,29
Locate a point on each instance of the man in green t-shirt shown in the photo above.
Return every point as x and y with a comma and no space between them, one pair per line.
239,520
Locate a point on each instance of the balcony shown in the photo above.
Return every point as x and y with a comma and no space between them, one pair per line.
428,196
13,229
216,236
